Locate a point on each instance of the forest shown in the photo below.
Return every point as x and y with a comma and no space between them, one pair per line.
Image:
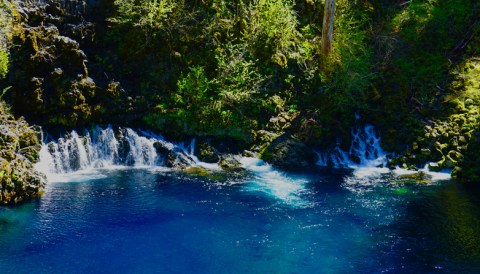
250,73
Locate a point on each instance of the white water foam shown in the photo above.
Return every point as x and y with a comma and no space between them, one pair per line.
87,157
369,168
365,147
286,188
435,175
75,158
73,153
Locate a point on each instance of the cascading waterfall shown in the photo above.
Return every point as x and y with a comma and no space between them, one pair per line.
365,150
125,147
105,148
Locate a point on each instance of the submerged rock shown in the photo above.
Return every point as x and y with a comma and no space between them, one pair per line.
416,178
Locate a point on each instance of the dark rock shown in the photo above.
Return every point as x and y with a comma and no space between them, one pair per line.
206,153
288,152
162,148
123,148
178,160
355,159
470,166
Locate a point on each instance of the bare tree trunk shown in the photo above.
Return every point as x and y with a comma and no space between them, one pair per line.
327,31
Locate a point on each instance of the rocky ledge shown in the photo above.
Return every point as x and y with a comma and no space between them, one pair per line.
19,148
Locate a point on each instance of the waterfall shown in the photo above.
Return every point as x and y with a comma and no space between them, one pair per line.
365,151
102,148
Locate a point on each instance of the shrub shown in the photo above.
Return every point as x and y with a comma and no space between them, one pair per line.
271,27
149,14
5,27
3,63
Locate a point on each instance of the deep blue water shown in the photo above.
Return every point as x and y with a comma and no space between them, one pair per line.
154,221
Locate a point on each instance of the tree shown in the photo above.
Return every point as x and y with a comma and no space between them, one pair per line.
327,31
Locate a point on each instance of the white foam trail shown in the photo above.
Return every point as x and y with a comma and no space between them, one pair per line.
266,179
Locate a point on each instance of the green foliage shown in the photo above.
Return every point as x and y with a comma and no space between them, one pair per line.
349,71
193,89
5,28
467,81
271,27
237,77
197,104
224,102
149,14
3,63
431,31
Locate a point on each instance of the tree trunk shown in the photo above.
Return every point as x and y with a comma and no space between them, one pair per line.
327,31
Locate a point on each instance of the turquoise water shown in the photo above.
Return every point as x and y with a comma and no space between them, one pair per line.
323,221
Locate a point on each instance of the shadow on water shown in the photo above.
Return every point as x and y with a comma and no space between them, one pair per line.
440,230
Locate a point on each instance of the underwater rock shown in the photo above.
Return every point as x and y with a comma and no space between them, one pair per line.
419,177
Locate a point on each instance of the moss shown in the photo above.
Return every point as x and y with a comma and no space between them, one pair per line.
446,138
18,152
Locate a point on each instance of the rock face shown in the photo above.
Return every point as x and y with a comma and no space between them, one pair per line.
19,148
287,152
469,170
51,82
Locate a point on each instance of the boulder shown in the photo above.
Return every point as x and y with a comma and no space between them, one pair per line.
178,160
434,167
229,162
206,153
288,152
162,148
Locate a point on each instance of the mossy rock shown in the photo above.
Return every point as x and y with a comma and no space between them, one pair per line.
18,152
206,153
416,178
229,162
198,171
